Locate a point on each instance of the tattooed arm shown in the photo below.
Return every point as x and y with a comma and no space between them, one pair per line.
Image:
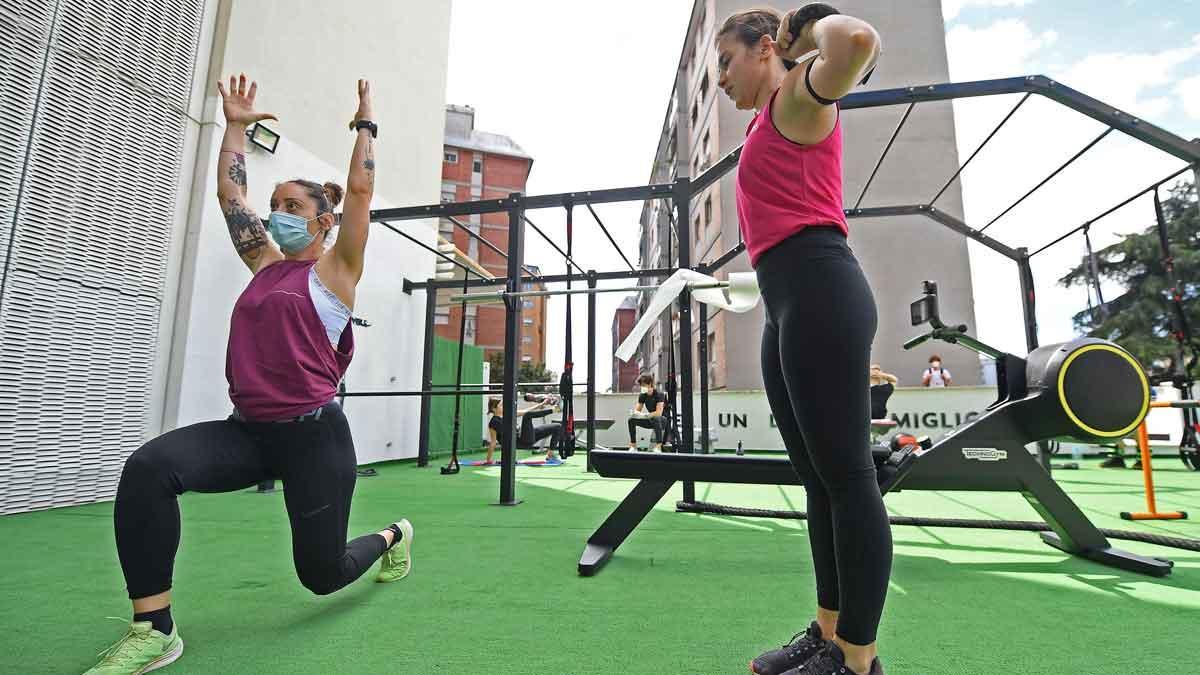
245,229
360,186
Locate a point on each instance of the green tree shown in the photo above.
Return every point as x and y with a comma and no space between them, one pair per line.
528,372
1140,318
496,367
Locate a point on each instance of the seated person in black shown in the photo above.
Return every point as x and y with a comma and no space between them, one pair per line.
882,386
529,433
648,413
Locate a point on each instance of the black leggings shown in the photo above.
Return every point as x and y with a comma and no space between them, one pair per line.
531,433
816,352
314,459
657,426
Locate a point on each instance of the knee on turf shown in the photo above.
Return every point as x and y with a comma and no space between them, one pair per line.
319,579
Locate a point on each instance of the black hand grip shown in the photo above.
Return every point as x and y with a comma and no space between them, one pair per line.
810,12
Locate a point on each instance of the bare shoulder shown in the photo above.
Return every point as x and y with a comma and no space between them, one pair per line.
802,122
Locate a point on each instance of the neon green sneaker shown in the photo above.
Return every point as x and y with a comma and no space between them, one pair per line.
396,562
142,650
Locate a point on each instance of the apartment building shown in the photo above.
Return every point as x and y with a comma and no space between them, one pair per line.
701,125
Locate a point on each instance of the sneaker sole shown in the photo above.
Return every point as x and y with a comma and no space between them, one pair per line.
407,528
164,660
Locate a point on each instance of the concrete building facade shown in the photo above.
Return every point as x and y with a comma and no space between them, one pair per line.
702,125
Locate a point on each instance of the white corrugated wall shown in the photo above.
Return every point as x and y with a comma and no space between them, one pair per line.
92,125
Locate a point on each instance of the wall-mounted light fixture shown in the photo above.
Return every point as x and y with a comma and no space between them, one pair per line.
263,137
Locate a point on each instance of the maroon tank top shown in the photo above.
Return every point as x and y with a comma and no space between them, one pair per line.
279,362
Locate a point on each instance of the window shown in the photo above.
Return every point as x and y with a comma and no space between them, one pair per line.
527,303
708,210
705,146
695,112
477,166
448,195
704,90
450,156
527,339
441,319
527,358
696,229
528,321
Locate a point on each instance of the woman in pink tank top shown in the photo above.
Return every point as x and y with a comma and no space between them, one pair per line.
820,314
290,342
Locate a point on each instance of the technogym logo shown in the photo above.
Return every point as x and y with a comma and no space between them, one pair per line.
985,454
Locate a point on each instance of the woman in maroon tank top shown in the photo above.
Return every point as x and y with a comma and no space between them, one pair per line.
290,342
820,314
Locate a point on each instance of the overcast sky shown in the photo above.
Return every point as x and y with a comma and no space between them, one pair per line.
585,91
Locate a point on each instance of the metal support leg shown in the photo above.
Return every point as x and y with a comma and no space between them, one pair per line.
426,378
620,523
591,369
512,336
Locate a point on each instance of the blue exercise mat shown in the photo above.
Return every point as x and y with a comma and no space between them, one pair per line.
528,462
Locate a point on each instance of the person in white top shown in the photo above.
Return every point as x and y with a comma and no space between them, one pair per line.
935,375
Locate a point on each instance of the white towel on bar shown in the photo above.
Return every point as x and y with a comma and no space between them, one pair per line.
740,296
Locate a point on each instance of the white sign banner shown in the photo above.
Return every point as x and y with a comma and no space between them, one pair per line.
745,415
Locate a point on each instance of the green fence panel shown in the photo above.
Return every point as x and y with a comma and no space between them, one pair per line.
441,418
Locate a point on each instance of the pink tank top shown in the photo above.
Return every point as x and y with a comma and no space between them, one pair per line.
279,362
784,186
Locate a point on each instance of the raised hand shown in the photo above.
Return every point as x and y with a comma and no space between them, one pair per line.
238,102
364,102
791,46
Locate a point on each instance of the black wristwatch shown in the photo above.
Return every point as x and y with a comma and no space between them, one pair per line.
365,124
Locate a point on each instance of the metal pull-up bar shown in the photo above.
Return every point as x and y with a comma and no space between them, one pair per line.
499,296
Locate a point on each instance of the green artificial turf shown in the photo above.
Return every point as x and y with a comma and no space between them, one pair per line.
494,589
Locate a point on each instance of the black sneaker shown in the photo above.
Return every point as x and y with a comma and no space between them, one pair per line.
831,661
797,652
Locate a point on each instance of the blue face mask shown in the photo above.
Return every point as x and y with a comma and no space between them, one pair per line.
290,231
